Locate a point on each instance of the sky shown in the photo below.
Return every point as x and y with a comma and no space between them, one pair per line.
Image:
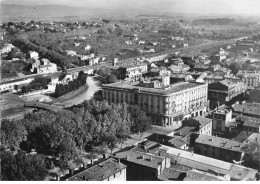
178,6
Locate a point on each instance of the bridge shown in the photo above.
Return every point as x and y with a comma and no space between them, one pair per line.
48,107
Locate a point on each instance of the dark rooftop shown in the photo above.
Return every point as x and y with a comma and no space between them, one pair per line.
242,136
99,172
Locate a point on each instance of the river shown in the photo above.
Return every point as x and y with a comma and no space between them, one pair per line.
93,86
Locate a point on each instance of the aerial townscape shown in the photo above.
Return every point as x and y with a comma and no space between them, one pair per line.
129,94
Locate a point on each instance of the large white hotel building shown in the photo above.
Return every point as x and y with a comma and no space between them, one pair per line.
165,104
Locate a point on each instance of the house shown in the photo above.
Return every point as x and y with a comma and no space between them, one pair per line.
141,42
128,42
94,61
219,148
87,47
43,67
185,45
76,44
34,55
6,49
71,52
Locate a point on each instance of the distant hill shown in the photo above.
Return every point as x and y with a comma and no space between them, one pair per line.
216,21
15,13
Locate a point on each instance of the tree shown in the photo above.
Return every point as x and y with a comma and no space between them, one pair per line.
234,67
12,133
98,96
112,78
118,31
111,142
22,167
141,122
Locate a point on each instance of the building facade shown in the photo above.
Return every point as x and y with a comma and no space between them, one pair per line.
225,91
221,118
166,105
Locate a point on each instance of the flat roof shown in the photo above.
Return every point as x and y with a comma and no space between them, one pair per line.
141,158
172,89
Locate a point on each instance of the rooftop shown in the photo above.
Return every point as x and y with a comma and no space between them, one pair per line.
249,121
141,158
99,172
203,121
167,91
219,142
204,163
184,131
169,174
195,175
242,136
227,82
249,108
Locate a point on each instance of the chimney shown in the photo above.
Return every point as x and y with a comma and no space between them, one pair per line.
85,165
92,161
57,177
151,158
71,171
104,156
118,160
127,157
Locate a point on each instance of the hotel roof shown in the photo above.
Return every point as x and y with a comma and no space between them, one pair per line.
167,91
219,142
